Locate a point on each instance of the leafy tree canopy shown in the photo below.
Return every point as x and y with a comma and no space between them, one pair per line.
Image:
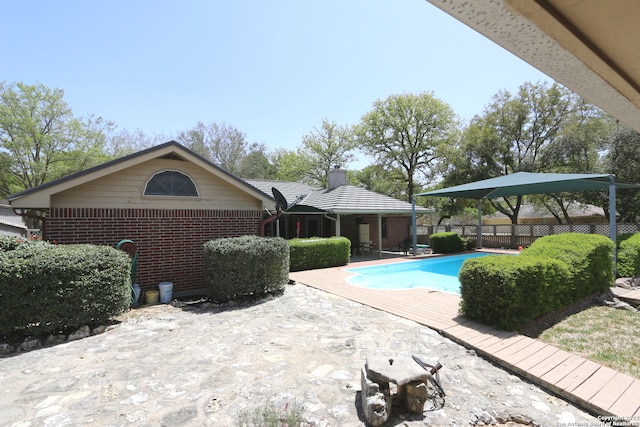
406,133
40,138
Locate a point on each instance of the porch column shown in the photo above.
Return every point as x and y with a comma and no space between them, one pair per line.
379,235
338,225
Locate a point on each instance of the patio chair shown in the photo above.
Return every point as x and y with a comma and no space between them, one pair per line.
365,247
405,245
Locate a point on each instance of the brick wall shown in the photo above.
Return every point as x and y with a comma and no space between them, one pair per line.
169,242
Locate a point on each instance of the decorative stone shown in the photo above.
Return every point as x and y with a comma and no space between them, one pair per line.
55,339
399,370
6,348
376,400
30,343
416,394
83,332
377,374
99,330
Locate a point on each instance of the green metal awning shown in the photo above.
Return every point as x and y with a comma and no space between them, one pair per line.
521,183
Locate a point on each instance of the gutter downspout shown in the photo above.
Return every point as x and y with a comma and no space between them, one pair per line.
268,220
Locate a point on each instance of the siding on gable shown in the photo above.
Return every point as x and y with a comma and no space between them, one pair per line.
169,241
124,190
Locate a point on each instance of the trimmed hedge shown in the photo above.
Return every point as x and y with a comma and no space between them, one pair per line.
447,242
629,255
588,256
246,267
9,243
317,252
509,291
48,288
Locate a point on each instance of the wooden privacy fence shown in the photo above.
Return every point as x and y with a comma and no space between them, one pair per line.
512,236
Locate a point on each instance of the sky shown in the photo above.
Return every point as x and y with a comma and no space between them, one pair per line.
272,69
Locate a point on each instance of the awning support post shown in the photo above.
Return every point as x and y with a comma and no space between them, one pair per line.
479,230
613,228
414,237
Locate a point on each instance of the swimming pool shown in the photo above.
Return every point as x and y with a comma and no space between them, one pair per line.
437,273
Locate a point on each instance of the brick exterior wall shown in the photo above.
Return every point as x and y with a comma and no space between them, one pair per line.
169,242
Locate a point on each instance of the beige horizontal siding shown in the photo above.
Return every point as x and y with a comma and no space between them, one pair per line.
124,190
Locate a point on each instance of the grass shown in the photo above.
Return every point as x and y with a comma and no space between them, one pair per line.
272,415
601,334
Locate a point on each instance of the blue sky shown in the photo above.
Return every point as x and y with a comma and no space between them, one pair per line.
272,69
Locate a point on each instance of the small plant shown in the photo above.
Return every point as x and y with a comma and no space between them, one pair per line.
272,415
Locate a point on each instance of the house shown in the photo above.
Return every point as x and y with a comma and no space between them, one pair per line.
371,221
169,201
530,214
11,224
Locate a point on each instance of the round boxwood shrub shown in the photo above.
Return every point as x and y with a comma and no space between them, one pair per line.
48,288
246,267
446,242
629,255
509,291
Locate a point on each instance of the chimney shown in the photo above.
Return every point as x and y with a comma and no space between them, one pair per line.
337,177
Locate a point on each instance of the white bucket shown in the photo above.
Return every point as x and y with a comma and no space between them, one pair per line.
166,292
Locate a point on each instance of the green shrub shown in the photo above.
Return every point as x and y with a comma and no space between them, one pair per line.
317,252
447,242
509,291
629,255
588,256
9,243
48,288
246,267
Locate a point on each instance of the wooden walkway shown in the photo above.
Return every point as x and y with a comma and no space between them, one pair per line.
593,387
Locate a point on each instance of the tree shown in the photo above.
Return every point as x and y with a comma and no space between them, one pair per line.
227,147
381,180
124,142
40,138
511,136
406,133
623,160
290,166
256,165
577,149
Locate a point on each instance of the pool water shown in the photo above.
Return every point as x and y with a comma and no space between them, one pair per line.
437,273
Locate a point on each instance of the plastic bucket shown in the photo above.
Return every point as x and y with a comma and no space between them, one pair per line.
166,292
151,297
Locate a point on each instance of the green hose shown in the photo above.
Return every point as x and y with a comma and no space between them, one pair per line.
130,248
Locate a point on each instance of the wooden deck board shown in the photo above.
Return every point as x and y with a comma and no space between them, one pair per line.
513,359
556,359
581,381
537,358
612,391
592,385
578,376
628,407
515,347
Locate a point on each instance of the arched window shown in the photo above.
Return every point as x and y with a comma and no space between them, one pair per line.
170,183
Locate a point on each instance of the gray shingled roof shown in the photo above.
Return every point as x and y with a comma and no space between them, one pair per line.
345,199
